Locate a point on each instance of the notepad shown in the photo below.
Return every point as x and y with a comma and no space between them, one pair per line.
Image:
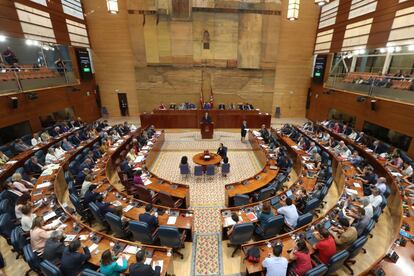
171,220
356,184
130,249
147,182
93,247
396,174
49,216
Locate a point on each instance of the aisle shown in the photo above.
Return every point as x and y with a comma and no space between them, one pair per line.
206,195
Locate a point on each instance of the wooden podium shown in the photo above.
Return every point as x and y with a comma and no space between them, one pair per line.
207,130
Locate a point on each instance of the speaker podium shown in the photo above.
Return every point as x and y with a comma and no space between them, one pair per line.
207,130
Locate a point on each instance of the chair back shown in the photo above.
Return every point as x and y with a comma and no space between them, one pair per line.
96,213
6,226
198,170
18,240
265,193
78,206
143,193
318,270
241,200
311,205
31,258
141,232
115,223
49,269
242,233
23,173
73,167
273,226
211,170
184,169
369,227
337,261
68,176
169,236
356,247
6,207
304,219
40,156
225,168
377,213
90,272
166,199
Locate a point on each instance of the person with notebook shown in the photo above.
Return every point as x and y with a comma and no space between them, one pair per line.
142,269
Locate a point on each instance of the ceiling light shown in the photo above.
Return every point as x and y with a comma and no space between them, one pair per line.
112,6
3,38
398,49
411,47
321,2
383,50
29,42
293,10
390,49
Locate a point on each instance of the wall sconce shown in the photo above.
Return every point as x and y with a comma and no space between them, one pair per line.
112,6
293,10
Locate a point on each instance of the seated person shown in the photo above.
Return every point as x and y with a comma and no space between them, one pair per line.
375,198
73,261
301,198
45,136
344,235
149,218
20,184
263,217
80,177
361,138
264,133
34,168
90,196
326,244
66,145
86,184
51,157
59,151
377,147
356,159
36,140
396,161
20,146
27,217
381,184
222,151
86,164
316,159
407,172
289,212
54,247
275,264
39,234
361,219
126,168
20,202
342,150
312,149
237,220
104,207
141,269
301,257
137,178
109,265
3,158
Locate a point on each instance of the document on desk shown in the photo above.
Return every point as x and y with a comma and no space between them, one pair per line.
256,133
139,159
351,191
130,249
49,216
356,184
70,238
148,261
44,185
295,147
396,174
126,209
228,221
145,148
159,263
11,162
93,247
171,220
150,143
147,182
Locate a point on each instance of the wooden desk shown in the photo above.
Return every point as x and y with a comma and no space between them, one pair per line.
59,190
215,159
192,118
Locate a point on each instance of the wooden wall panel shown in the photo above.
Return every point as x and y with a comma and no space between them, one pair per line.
250,41
392,115
49,101
181,42
136,34
9,21
151,39
114,60
270,34
294,60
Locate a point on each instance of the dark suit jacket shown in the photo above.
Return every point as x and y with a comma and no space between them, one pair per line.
206,120
222,151
150,219
71,264
53,250
35,168
140,269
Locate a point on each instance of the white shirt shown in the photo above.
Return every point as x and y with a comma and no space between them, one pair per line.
369,210
50,159
353,135
275,266
375,200
27,222
408,171
59,152
290,214
85,187
35,141
382,187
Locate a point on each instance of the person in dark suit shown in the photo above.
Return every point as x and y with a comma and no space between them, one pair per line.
149,218
222,151
243,131
222,107
80,177
66,145
361,139
264,133
54,247
20,146
377,147
75,140
73,261
90,196
86,164
35,168
141,269
206,118
104,207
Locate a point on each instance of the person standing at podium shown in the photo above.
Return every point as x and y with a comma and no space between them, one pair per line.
206,118
244,130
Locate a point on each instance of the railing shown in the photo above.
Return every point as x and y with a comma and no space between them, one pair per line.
25,78
374,85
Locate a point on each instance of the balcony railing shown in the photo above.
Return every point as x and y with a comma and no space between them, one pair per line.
398,88
26,78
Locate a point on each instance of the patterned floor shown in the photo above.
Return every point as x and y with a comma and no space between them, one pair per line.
206,195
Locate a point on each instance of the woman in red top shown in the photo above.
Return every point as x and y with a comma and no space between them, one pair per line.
301,257
336,128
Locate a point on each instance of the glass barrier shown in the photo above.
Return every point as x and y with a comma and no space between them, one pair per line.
394,87
29,65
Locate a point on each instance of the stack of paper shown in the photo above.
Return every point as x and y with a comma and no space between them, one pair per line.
130,249
93,247
43,185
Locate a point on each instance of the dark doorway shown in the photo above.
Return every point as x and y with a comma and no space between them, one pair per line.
123,104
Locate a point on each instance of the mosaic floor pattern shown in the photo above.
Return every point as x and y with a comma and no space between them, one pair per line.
206,195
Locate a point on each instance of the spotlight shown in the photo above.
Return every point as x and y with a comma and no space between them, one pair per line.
2,38
383,50
390,49
29,42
